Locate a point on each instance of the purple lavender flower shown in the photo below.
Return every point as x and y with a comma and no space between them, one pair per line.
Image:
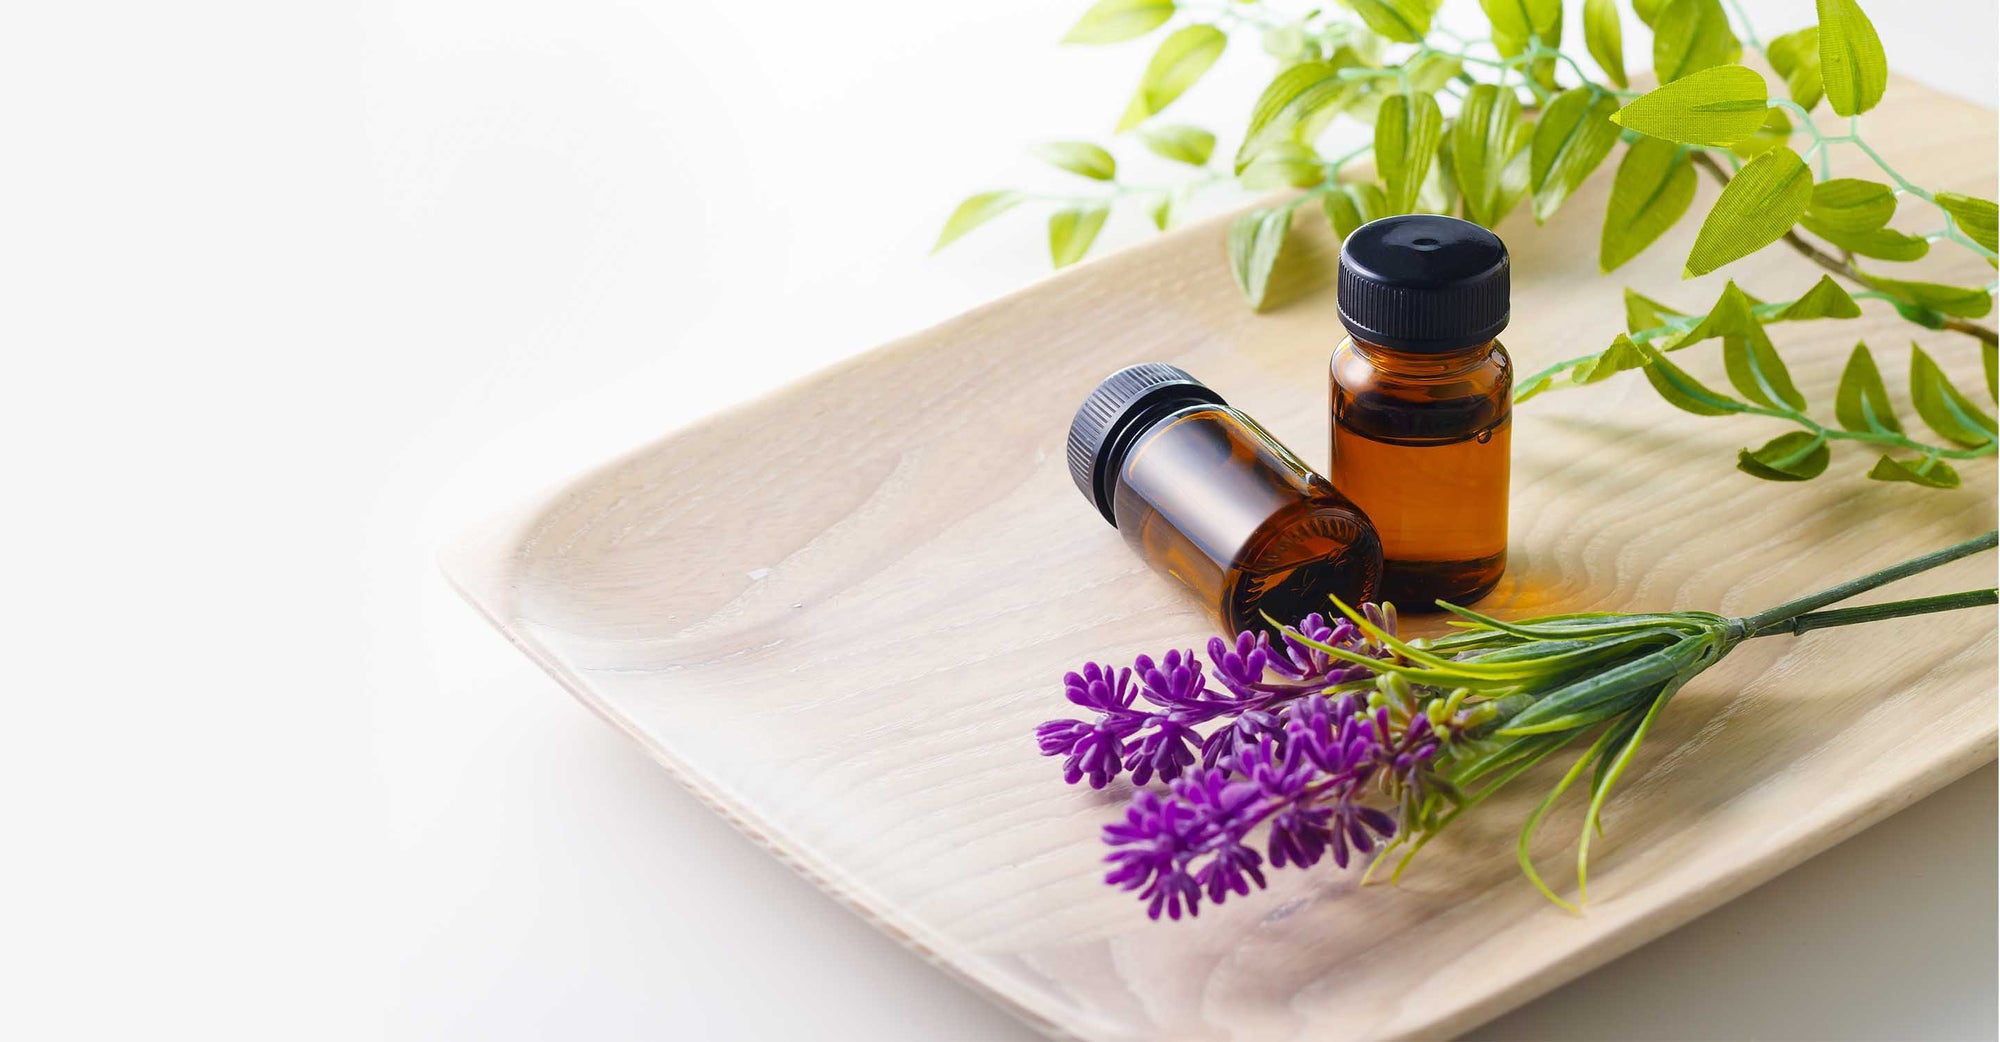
1093,750
1153,846
1166,750
1175,682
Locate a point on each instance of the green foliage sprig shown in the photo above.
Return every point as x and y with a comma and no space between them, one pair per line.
1477,127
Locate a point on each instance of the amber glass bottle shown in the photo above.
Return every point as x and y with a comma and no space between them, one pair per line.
1206,496
1422,403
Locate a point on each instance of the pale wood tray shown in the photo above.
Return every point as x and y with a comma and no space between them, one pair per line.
836,615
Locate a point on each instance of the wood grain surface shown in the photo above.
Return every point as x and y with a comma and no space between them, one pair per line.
837,613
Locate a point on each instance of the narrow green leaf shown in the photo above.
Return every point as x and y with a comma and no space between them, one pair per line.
1643,312
1162,213
1293,94
1692,35
1431,71
1797,456
1255,239
1945,410
1758,206
1795,56
1756,371
1487,138
1605,38
1976,217
1852,204
1919,314
1652,189
1071,232
1880,243
1851,62
1962,301
1621,356
1989,359
1827,299
1179,142
972,213
1115,21
1352,205
1286,164
1404,21
1514,21
1407,132
1929,472
1183,57
1862,403
1777,130
1649,11
1078,157
1716,106
1730,316
1573,136
1684,392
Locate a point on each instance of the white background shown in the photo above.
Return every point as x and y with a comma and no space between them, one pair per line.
294,292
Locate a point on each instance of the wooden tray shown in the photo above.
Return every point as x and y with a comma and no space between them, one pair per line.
836,615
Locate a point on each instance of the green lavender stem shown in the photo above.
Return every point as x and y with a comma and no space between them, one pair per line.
1877,612
1775,617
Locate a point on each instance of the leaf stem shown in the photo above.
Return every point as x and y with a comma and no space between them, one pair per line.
1755,624
1877,612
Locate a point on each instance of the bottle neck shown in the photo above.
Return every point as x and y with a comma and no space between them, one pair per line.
1422,363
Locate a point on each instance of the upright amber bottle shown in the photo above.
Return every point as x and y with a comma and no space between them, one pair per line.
1422,403
1206,496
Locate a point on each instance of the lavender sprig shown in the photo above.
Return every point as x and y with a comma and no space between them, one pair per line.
1324,730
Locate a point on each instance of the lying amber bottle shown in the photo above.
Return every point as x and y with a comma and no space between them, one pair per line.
1212,500
1422,398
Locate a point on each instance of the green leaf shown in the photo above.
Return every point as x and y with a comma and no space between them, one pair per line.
1573,136
1756,371
1649,11
1652,189
1162,212
1684,392
1880,243
1179,142
1514,21
1692,35
1851,63
1431,71
1758,206
1922,316
1404,21
1730,316
1284,165
1976,217
1255,239
1827,299
1183,57
1929,472
1294,94
1078,157
1072,231
1287,43
1962,301
1407,132
1795,56
1643,312
1115,21
972,213
1605,38
1989,358
1797,456
1862,403
1852,204
1350,206
1777,130
1717,106
1487,138
1945,410
1621,356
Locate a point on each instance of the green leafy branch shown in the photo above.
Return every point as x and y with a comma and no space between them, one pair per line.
1479,126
